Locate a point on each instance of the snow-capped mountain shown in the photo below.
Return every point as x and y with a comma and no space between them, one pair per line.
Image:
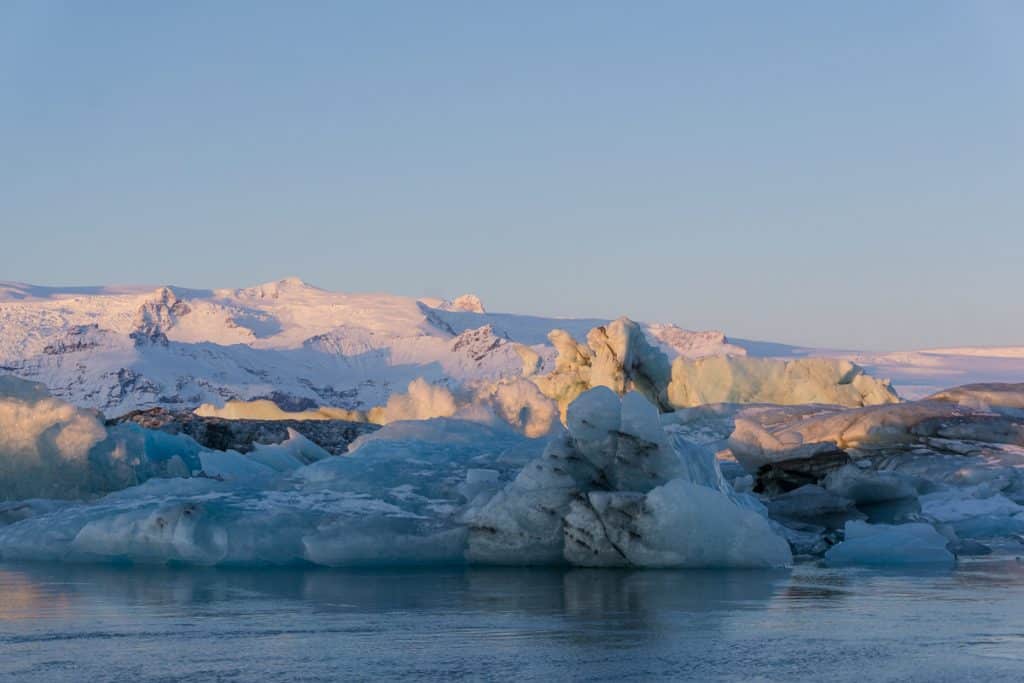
124,348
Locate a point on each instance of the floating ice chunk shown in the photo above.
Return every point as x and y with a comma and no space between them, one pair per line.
731,379
264,463
699,465
50,449
952,506
974,517
679,524
236,468
171,532
288,455
884,544
45,444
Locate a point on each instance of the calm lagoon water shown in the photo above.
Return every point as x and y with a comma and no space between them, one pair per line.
89,623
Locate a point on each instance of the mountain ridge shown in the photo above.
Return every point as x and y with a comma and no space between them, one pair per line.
129,347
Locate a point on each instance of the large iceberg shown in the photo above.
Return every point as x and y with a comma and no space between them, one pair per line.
619,356
619,490
730,379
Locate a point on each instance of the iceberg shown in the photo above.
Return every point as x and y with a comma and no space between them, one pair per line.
51,449
619,490
617,356
678,524
442,490
396,499
731,379
890,545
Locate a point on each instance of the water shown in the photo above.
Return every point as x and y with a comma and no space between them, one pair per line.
94,624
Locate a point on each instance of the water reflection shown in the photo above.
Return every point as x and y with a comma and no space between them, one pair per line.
23,598
579,593
127,623
574,593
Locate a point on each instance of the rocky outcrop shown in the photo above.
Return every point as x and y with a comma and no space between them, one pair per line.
155,317
478,343
77,339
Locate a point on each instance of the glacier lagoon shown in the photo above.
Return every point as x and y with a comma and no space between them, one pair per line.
603,454
117,623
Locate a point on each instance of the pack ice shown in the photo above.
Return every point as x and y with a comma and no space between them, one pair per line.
932,478
615,489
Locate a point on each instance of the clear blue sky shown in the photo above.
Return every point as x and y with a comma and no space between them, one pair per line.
846,174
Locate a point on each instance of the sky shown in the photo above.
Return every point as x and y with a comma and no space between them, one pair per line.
834,174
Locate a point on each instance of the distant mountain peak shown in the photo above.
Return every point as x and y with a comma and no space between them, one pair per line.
278,288
467,303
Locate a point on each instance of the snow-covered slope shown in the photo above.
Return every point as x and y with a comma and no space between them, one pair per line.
125,348
122,348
